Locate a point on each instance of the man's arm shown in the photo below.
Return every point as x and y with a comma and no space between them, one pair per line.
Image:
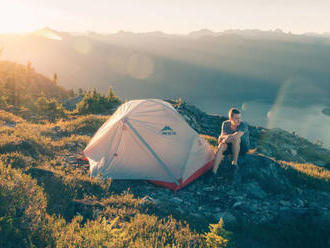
222,138
241,131
223,134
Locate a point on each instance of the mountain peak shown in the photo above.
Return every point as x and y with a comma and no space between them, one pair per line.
202,32
49,33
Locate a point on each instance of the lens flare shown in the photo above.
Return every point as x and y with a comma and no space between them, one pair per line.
139,66
273,113
304,120
82,45
244,106
48,34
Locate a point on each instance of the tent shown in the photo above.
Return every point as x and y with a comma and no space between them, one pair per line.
148,139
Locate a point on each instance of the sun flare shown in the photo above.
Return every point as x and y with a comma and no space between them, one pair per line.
16,17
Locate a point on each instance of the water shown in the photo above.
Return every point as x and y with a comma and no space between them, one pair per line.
308,122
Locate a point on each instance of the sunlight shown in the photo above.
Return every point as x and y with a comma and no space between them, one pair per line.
82,45
16,17
48,34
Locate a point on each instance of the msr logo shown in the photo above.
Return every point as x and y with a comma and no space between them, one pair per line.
167,130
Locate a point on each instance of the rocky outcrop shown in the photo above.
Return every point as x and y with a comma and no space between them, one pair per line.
276,143
70,104
326,111
260,193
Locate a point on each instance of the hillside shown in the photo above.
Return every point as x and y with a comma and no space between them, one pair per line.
279,198
29,94
27,83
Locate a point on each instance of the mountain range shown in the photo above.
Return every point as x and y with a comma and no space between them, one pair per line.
234,65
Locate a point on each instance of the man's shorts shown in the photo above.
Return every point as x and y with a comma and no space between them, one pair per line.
244,148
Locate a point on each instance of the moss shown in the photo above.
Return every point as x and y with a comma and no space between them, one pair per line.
17,160
84,125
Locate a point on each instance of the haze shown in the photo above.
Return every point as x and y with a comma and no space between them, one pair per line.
184,16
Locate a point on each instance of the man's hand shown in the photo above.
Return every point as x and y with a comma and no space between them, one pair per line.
222,139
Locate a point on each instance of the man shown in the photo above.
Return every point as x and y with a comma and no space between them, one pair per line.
234,139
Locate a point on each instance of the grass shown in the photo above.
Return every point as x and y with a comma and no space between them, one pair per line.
83,125
79,211
307,175
6,117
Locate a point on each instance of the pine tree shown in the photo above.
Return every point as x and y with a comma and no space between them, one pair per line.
55,78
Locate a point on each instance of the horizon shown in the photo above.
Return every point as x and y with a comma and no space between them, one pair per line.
297,17
275,30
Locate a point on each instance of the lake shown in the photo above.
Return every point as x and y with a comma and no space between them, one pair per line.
308,122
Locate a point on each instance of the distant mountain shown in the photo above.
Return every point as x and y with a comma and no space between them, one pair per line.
202,33
235,65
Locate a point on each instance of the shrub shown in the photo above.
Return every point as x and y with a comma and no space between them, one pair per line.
140,231
6,117
22,210
17,160
26,139
85,125
96,103
218,236
49,108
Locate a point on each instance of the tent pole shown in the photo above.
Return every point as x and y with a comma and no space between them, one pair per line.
152,152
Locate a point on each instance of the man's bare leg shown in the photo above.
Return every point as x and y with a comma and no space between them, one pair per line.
236,143
219,157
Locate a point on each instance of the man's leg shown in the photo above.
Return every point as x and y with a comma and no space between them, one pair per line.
236,142
219,156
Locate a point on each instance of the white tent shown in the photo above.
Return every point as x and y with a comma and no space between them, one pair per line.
148,139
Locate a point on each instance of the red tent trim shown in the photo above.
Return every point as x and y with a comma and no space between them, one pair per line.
196,174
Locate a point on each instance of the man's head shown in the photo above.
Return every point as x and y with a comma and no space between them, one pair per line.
235,116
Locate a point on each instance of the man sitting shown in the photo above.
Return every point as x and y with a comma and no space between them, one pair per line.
234,139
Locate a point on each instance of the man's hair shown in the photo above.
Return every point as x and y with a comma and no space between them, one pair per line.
233,111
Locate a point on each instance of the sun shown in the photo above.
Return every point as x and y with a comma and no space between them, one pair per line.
16,17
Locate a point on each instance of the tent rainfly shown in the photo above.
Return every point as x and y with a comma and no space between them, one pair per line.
148,139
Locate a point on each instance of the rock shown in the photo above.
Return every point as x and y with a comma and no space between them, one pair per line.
252,207
293,152
196,215
70,104
326,111
176,200
320,163
288,214
253,190
56,129
285,203
299,191
237,204
149,200
226,216
215,198
299,203
209,189
180,210
11,124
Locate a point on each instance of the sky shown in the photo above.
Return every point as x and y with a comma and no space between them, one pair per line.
169,16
